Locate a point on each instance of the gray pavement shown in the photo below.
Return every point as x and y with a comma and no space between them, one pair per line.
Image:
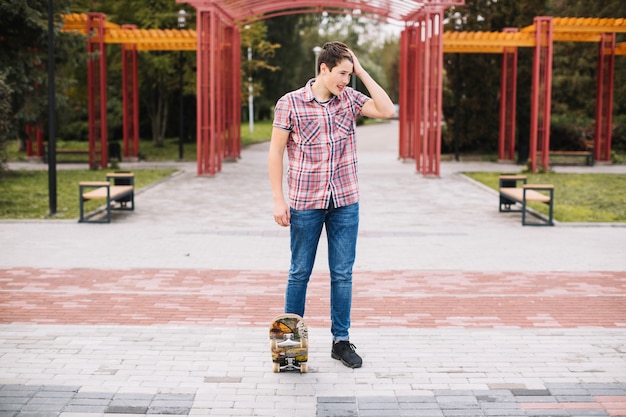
202,222
409,223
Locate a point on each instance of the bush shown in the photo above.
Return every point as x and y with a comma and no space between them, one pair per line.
76,131
618,138
569,132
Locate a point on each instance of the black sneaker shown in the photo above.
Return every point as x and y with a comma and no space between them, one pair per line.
344,351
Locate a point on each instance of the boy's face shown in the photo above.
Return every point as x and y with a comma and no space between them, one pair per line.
338,78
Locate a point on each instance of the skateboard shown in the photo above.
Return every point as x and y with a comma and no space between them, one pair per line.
289,343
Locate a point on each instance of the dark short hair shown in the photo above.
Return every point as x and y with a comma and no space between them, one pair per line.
332,54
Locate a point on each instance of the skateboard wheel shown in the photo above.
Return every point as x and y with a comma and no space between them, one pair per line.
276,367
303,368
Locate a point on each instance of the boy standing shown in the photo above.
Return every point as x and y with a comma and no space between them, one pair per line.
316,124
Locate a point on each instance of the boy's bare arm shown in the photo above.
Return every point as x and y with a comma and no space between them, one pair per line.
380,106
275,167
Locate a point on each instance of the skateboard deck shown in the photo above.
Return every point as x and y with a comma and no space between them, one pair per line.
289,343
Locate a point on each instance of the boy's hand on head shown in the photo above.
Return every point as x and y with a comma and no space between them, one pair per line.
358,69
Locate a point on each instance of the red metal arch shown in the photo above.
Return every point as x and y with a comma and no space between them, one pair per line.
242,10
218,43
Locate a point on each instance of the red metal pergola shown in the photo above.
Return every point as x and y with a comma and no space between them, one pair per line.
541,36
422,44
421,78
218,25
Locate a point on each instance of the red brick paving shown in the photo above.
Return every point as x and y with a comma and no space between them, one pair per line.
614,406
424,299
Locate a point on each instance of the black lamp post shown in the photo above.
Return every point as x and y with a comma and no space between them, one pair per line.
181,131
316,51
52,162
458,24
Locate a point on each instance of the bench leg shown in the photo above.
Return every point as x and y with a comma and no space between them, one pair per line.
551,208
80,205
506,205
549,222
109,202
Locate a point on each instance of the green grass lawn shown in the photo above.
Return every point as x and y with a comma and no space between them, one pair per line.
24,193
148,151
168,152
577,197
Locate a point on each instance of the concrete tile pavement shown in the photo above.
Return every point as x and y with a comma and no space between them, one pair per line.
458,309
226,223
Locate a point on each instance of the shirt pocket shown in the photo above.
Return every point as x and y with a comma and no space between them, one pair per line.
309,131
312,141
344,123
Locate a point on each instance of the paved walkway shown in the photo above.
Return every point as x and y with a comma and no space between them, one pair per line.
458,309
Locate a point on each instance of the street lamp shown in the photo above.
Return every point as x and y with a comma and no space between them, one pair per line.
250,94
316,51
181,131
52,161
250,88
458,25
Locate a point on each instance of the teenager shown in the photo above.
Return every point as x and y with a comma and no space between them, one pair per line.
316,125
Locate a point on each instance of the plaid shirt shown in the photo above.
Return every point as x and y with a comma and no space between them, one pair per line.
321,147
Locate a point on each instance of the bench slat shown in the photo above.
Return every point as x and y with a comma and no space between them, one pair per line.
531,195
94,183
116,191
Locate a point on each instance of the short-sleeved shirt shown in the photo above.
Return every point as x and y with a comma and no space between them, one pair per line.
321,147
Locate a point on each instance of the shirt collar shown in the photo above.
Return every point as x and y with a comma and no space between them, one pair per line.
308,92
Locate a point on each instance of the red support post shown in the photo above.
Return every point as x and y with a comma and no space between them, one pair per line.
437,85
541,93
203,89
96,84
417,93
416,96
429,111
408,91
232,96
403,148
217,87
508,102
604,98
212,69
35,135
130,101
218,119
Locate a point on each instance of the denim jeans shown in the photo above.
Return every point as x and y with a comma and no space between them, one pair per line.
342,224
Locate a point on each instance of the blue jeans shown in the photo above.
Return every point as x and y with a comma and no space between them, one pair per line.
342,226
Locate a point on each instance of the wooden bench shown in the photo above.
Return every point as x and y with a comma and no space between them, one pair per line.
119,195
70,153
511,194
588,155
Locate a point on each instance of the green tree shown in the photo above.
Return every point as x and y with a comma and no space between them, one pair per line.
390,66
256,51
5,117
299,34
478,75
575,63
294,61
24,61
158,70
